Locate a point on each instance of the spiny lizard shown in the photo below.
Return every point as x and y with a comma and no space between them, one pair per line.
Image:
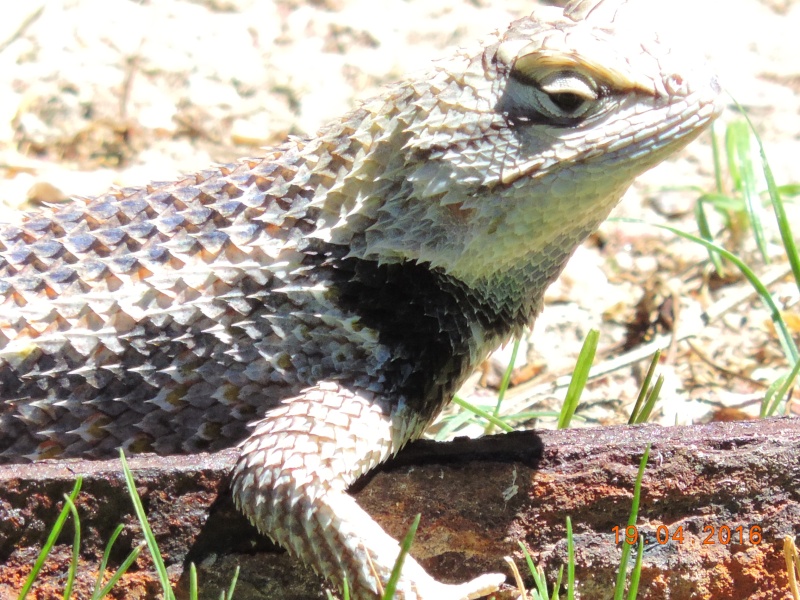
320,305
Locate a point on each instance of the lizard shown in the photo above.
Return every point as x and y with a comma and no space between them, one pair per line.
319,305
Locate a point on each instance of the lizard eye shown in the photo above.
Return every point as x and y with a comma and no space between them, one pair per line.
567,102
555,97
565,94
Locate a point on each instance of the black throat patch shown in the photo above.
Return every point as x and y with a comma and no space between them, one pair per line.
427,319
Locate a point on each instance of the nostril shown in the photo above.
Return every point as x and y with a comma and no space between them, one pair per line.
675,84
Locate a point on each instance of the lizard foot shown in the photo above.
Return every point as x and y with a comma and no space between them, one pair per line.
470,590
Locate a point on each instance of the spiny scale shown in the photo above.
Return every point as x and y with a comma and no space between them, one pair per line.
333,294
125,319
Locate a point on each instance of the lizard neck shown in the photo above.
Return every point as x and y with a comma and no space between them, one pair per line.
434,328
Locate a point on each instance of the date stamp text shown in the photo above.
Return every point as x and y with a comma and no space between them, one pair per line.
711,535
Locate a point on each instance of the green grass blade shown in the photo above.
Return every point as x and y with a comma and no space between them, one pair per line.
76,548
539,581
777,205
716,157
778,390
528,559
504,384
731,159
152,545
123,568
700,214
192,582
637,406
557,585
784,227
482,413
405,548
570,562
536,414
538,578
788,190
452,423
579,378
652,398
633,589
235,578
104,560
723,204
784,335
619,589
622,573
739,132
51,540
705,231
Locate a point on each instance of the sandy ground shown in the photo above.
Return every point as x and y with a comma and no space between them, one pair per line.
95,93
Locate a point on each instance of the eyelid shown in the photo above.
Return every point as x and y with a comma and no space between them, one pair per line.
531,63
540,75
570,82
532,97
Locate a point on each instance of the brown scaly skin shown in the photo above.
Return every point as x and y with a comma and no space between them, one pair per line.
336,292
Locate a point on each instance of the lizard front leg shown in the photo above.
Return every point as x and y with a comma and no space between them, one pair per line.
291,482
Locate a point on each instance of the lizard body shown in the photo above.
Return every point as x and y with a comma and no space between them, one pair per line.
319,305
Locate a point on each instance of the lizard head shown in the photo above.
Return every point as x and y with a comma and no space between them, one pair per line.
596,85
511,157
